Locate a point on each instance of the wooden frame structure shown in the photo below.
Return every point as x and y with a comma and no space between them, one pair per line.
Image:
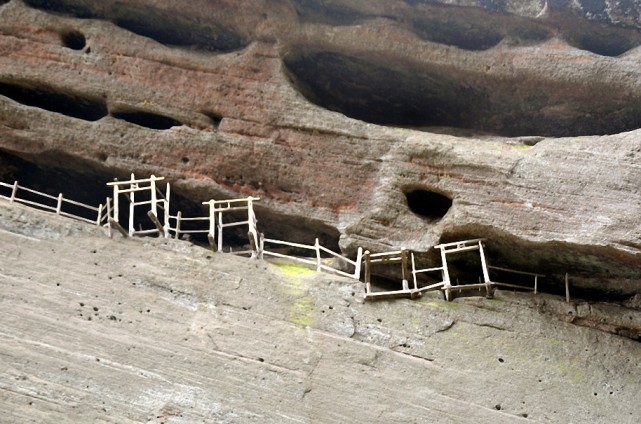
216,210
158,201
446,283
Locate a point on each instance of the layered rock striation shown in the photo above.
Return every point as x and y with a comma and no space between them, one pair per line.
380,124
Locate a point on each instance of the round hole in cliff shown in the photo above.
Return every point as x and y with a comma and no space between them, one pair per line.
74,40
384,89
428,203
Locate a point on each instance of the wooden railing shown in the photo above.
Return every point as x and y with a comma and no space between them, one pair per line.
316,260
57,203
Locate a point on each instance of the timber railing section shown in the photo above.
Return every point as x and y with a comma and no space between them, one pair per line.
319,260
56,204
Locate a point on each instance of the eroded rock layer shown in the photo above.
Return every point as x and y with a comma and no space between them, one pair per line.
378,124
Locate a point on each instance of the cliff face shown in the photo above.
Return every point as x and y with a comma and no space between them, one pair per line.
378,124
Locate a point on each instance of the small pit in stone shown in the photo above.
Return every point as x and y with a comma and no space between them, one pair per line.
428,204
73,39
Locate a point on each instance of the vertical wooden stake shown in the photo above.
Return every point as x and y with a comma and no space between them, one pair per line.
414,272
167,227
358,264
116,208
220,231
536,284
14,191
178,218
59,205
318,256
99,219
567,288
368,272
404,268
132,197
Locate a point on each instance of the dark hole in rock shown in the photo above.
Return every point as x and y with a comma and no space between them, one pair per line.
74,40
389,91
54,100
147,119
612,44
428,203
64,7
321,12
215,119
467,35
167,26
171,32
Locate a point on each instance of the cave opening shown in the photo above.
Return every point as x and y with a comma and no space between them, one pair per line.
428,204
428,97
74,40
168,27
150,120
55,100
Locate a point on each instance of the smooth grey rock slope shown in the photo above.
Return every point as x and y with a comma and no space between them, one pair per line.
161,331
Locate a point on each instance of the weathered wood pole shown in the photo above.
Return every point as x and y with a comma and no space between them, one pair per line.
368,272
14,191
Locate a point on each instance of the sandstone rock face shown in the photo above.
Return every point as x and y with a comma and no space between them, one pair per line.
356,122
161,331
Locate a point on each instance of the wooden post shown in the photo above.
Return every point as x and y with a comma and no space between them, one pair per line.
368,272
59,204
252,243
358,263
414,272
536,284
220,231
486,274
98,220
178,218
168,193
261,243
154,198
116,209
118,227
109,218
318,256
447,284
567,288
404,268
132,200
156,222
14,191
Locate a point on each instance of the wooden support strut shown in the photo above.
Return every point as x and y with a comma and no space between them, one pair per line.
156,222
118,227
